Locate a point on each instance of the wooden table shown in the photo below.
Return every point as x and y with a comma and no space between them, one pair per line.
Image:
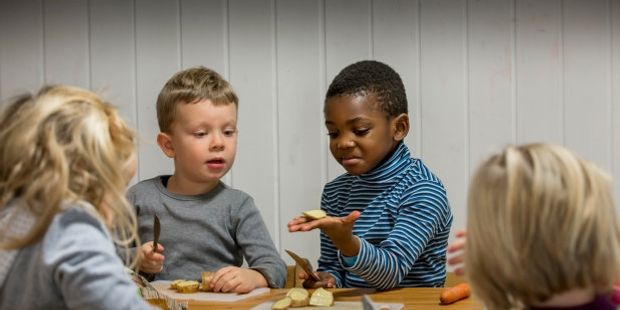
412,298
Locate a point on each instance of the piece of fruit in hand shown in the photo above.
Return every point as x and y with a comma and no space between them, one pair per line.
315,214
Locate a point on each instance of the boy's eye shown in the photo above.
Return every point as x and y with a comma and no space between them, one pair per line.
230,132
199,134
361,132
332,135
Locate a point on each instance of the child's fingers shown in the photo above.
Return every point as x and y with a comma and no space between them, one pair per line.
351,218
456,246
458,259
460,233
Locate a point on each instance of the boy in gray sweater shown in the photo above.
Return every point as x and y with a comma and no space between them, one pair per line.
205,225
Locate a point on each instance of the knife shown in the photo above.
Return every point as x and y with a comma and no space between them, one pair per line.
155,231
305,265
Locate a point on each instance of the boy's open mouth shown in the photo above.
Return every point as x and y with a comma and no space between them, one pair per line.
215,161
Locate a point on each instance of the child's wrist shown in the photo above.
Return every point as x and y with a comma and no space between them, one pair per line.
349,246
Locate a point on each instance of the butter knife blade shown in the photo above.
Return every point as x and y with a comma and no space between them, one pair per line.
304,263
156,229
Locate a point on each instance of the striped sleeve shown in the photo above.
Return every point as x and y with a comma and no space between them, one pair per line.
423,213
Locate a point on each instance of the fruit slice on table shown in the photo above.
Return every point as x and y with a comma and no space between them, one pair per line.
315,214
322,298
188,287
282,304
298,296
207,277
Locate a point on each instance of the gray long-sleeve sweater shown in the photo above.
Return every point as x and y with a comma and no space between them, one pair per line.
74,266
206,232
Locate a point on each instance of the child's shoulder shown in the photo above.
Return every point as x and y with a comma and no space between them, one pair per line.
147,185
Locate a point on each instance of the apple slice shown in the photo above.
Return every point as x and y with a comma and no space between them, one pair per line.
315,214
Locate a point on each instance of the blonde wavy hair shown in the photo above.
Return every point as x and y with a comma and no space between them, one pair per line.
540,221
66,144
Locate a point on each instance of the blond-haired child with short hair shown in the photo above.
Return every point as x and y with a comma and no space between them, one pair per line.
205,225
542,231
65,160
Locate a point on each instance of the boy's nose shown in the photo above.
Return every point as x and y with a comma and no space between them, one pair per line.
217,144
345,143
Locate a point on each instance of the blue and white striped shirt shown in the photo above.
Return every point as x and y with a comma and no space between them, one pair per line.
403,228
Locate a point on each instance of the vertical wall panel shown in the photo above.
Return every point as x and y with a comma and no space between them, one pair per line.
396,42
203,34
21,47
491,81
615,95
66,42
443,90
252,74
113,54
348,40
300,120
204,38
539,71
586,75
157,52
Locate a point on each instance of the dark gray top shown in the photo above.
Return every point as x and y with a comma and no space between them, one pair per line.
206,232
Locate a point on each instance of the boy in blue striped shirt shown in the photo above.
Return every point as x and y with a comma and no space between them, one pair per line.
388,216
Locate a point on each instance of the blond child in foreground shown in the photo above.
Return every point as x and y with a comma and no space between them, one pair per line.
65,160
542,231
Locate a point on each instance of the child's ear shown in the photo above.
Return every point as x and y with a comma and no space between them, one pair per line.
400,127
165,143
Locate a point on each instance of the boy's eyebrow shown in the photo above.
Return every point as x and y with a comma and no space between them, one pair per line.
351,121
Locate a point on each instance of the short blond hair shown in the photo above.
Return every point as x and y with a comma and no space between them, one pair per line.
65,145
190,86
540,221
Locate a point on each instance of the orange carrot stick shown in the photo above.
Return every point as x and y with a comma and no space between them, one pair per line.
455,293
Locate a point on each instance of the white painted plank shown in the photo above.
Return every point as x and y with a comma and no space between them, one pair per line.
586,75
443,99
300,120
157,52
539,71
395,26
348,39
252,74
204,34
491,73
204,38
113,54
66,42
21,47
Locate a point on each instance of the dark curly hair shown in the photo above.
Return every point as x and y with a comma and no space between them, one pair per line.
370,76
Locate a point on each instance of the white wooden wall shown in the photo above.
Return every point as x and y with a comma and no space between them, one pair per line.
479,74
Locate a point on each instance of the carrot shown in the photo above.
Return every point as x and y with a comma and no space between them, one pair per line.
455,293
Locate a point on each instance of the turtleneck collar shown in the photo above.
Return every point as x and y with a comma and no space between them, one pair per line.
390,166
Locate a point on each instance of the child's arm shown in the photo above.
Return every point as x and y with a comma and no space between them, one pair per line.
85,267
254,241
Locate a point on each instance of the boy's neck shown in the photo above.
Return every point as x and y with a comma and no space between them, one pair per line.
573,297
180,186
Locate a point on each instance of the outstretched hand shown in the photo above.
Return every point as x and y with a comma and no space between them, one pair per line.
338,229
